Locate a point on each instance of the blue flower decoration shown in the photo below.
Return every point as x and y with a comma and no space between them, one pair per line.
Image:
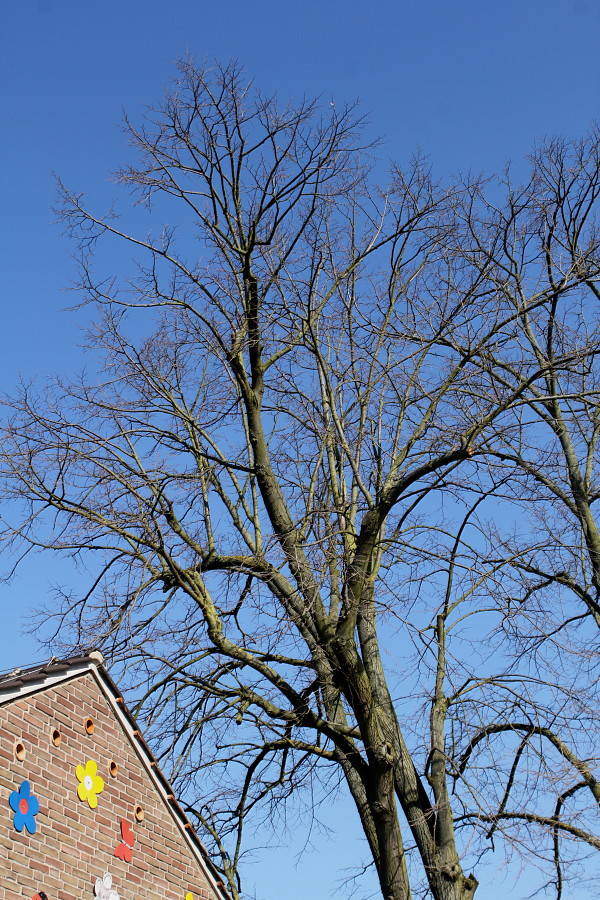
25,807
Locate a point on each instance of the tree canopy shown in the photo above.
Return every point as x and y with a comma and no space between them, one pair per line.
335,481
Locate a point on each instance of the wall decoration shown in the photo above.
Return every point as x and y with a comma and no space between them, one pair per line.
25,807
103,888
40,896
189,896
124,849
90,783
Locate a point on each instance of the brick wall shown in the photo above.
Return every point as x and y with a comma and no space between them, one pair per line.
74,844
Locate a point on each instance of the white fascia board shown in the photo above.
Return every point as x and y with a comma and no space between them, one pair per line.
150,769
15,692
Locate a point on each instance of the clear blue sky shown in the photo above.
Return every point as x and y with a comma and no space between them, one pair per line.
472,83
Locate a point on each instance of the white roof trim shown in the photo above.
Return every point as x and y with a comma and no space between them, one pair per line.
43,682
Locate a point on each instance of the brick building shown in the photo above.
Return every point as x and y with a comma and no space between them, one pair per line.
84,809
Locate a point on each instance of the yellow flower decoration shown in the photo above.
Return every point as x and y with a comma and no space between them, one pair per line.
189,896
90,783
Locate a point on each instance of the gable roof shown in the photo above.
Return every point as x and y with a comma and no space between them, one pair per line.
19,683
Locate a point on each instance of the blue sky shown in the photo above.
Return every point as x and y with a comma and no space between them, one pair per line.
472,83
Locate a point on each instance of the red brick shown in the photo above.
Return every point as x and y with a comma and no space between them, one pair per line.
73,844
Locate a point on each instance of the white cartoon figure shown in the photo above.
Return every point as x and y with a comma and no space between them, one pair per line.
103,888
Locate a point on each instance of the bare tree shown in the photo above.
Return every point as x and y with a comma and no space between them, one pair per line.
302,482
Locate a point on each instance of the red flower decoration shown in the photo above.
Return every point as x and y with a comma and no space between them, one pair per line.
123,850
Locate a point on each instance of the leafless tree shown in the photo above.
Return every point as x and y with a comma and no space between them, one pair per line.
335,481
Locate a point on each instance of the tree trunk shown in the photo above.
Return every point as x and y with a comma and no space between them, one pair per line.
391,866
